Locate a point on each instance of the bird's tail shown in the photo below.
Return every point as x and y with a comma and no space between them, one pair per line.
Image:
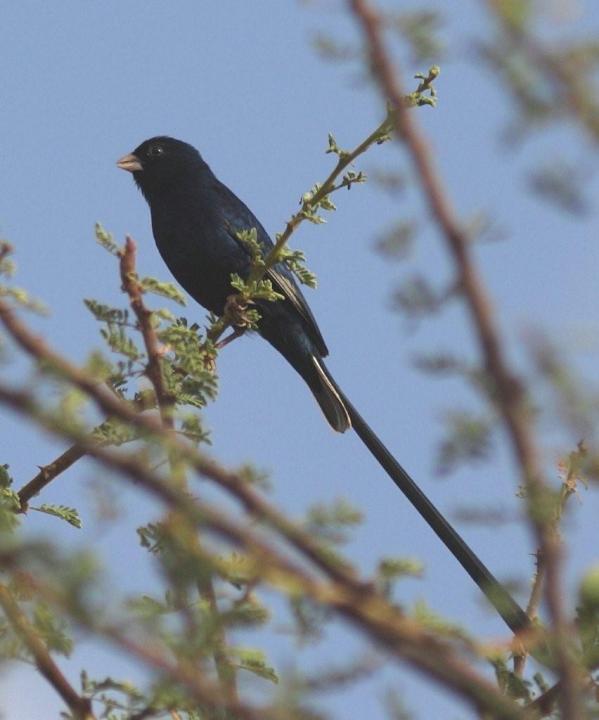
342,415
329,396
512,614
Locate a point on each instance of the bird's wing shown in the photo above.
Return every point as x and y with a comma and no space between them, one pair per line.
286,285
237,217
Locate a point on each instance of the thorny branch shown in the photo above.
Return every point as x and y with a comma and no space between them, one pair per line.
148,425
144,318
48,473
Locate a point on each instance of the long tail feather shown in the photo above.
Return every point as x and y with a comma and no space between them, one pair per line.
513,615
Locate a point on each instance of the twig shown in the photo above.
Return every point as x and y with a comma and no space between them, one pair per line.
310,202
569,470
532,607
144,318
204,692
48,473
80,707
113,406
509,392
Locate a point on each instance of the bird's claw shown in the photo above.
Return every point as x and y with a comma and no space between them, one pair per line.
236,311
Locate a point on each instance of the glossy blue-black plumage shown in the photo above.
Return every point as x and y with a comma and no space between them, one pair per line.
195,221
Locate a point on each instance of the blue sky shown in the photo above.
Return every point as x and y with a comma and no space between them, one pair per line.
83,83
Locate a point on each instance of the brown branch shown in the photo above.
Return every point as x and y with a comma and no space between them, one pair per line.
206,693
52,470
113,406
166,404
509,393
545,703
132,287
153,656
357,602
532,608
80,707
48,473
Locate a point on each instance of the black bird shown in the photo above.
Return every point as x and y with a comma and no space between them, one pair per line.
195,221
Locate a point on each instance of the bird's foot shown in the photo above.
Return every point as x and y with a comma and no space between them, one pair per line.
237,332
238,312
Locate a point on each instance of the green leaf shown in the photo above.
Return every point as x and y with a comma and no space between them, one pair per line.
295,261
253,476
338,514
10,505
239,569
113,432
6,479
7,265
431,620
52,630
350,178
63,512
192,428
330,522
468,440
148,607
249,613
589,588
255,662
249,238
119,342
334,148
164,289
509,682
392,568
106,240
105,313
255,289
24,299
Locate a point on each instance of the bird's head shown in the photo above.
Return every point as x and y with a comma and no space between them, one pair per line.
161,162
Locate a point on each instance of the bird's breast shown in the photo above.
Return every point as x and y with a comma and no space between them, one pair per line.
198,257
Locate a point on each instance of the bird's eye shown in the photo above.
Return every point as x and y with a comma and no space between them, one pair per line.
155,150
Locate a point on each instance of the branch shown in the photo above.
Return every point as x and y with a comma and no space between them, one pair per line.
357,602
48,473
532,608
113,406
312,201
509,391
63,462
80,707
166,404
144,318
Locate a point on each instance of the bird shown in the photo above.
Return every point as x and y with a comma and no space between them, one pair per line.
196,221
